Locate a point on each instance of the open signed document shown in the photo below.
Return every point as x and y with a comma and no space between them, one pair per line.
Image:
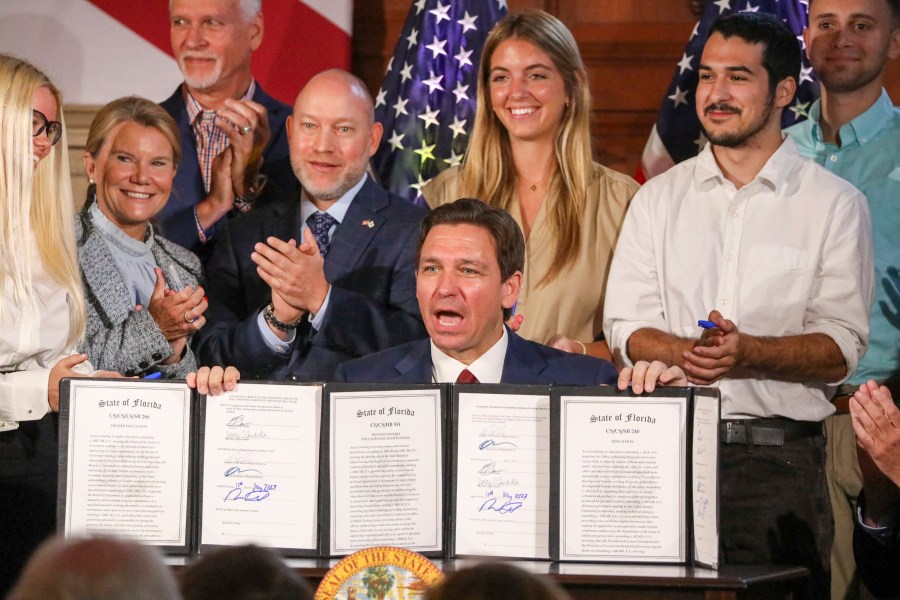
125,464
502,475
385,456
637,476
261,467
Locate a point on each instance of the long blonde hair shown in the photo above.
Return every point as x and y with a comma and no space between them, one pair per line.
35,201
488,172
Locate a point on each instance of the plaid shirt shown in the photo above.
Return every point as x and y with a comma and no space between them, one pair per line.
211,140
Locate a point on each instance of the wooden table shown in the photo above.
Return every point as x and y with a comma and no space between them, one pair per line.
640,582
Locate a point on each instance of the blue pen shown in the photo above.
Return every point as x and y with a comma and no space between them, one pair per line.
706,324
153,375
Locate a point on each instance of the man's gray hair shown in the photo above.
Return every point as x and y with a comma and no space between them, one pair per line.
249,8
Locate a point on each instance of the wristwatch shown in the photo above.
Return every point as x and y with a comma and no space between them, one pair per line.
245,202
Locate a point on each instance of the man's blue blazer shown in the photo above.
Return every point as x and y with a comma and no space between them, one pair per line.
176,221
527,363
370,266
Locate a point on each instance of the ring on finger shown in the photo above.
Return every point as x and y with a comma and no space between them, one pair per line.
188,318
245,129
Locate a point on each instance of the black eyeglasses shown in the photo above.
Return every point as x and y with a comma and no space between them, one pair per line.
39,124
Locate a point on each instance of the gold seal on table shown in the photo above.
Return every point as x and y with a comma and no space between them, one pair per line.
379,573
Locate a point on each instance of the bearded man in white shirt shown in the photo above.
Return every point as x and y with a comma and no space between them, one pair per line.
775,255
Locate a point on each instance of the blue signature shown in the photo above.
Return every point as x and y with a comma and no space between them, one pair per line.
257,494
508,506
231,471
489,443
237,421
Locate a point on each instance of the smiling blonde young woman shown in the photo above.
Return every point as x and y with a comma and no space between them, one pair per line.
530,154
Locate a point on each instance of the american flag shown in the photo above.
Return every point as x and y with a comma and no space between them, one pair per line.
677,135
427,101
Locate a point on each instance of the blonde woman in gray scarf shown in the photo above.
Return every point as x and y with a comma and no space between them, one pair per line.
143,292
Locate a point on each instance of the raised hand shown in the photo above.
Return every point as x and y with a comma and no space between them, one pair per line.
177,314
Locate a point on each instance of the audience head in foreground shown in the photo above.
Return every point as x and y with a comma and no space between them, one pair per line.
95,569
243,573
495,581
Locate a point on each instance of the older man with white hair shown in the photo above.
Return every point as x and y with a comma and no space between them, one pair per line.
233,137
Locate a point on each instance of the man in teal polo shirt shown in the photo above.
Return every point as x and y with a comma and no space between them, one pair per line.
854,131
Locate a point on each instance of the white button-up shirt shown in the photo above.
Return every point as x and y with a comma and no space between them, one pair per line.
789,253
33,334
487,368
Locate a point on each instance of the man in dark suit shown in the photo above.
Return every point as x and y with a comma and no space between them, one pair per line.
876,538
296,288
233,137
469,272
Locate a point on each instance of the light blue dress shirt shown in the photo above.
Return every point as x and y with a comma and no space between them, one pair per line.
869,158
133,257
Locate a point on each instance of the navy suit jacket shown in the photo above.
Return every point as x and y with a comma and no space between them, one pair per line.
526,363
176,220
371,269
878,560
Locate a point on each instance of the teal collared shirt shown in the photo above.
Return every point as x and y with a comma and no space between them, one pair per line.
869,158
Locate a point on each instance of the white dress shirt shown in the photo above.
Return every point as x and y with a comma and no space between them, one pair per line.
789,253
33,332
487,368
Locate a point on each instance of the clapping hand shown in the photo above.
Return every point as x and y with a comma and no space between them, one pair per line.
178,314
296,275
246,123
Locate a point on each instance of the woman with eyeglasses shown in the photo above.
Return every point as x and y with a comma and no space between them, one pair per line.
42,308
